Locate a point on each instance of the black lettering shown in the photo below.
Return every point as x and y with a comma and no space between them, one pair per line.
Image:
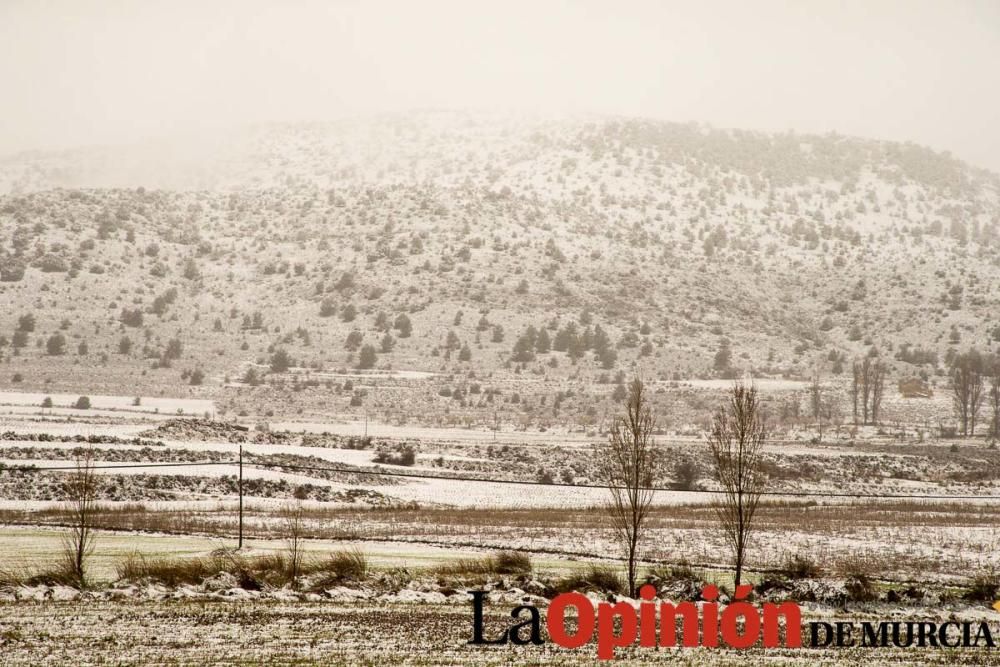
478,597
814,627
984,632
896,640
870,638
844,633
943,635
925,632
534,623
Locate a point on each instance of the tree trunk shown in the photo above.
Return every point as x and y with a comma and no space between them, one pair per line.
631,567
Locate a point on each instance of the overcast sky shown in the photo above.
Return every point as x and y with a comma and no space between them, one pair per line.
82,72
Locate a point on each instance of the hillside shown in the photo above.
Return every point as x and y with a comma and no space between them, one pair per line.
438,239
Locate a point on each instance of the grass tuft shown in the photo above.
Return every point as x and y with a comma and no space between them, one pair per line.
340,567
501,562
984,587
858,582
252,573
800,567
170,572
61,574
600,578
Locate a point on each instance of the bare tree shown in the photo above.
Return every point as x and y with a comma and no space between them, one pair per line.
976,396
959,383
834,415
81,491
294,529
855,389
820,408
994,399
868,388
628,466
877,380
736,443
827,415
966,382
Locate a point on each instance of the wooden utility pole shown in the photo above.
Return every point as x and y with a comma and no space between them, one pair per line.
241,497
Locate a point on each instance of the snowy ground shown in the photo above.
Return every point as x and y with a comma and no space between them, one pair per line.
383,430
147,404
26,547
271,632
951,535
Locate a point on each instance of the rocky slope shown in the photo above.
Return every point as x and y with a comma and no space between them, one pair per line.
435,242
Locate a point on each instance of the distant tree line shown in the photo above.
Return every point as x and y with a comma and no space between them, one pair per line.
974,379
867,389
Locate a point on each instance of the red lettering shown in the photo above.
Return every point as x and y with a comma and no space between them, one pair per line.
607,640
584,620
793,624
751,621
647,617
668,623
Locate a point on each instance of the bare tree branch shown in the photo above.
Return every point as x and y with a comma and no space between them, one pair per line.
293,520
966,383
81,490
628,465
736,443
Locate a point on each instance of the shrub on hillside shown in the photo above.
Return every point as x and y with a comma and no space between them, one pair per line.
11,272
405,457
56,345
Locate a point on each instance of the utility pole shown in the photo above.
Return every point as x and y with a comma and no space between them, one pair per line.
366,423
241,497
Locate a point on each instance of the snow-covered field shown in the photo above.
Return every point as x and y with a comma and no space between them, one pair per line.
383,430
246,630
24,547
535,517
170,406
763,384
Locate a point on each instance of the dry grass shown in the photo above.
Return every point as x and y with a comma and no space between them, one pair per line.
984,587
599,578
11,578
858,581
252,573
340,567
501,562
137,568
578,534
799,566
397,522
671,573
59,574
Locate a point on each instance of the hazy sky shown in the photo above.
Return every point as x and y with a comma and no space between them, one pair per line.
81,72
